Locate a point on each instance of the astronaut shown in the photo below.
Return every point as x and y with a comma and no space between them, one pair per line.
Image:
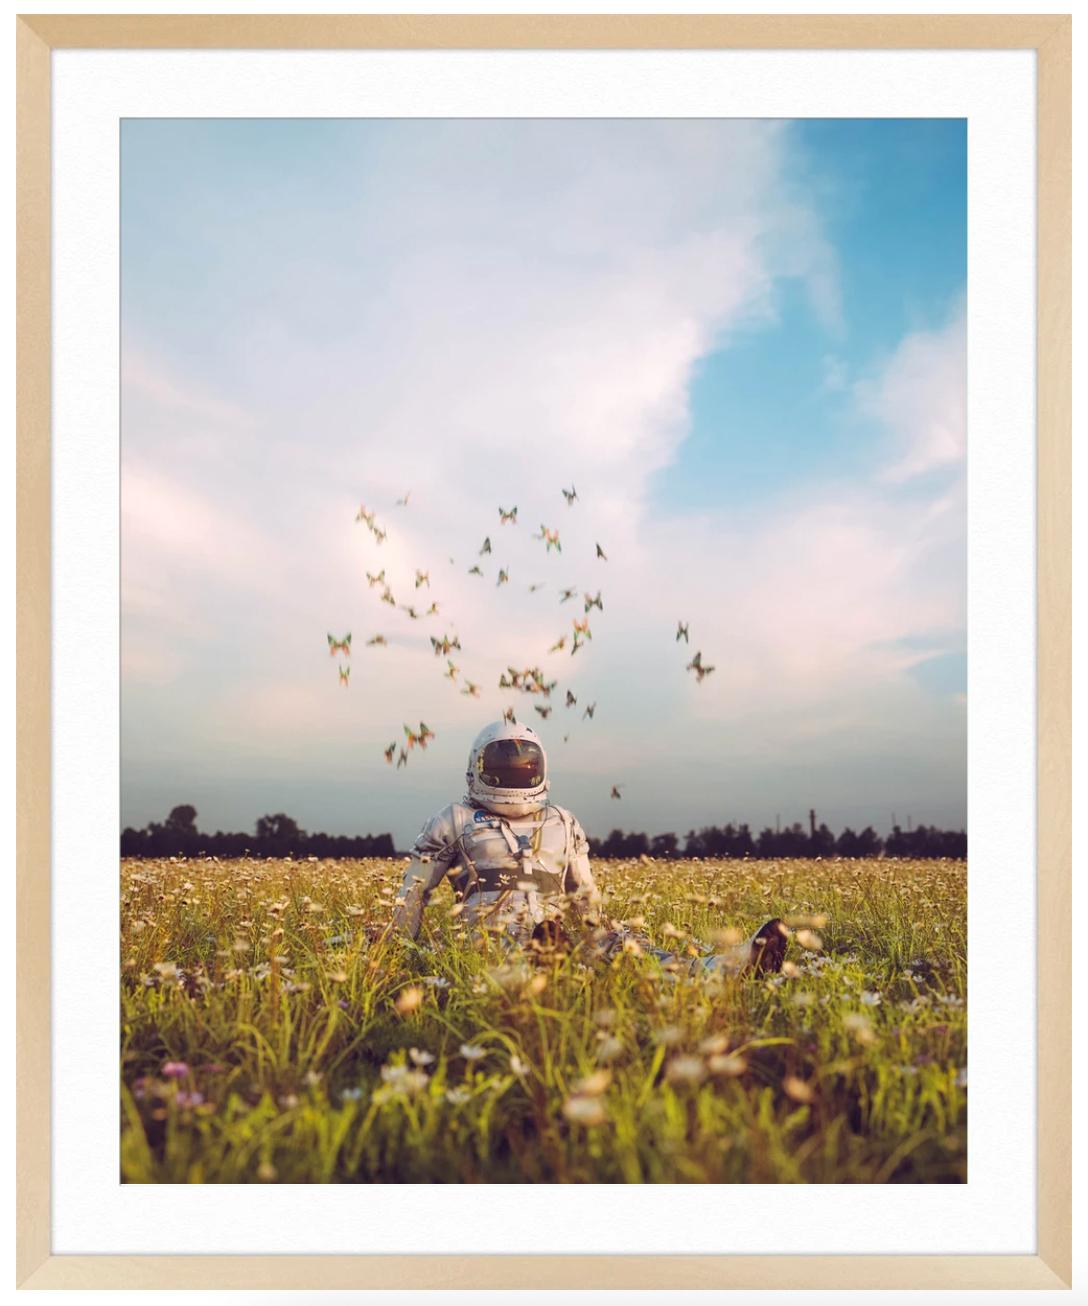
520,863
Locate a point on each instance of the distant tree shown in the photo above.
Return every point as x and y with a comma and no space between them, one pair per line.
664,845
822,842
278,828
869,843
182,818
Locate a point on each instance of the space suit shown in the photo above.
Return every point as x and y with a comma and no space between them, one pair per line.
520,864
515,859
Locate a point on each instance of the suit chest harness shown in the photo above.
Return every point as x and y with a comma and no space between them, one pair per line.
521,870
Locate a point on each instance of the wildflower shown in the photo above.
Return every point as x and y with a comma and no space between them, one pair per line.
791,970
436,981
338,976
587,1111
714,1044
167,970
809,939
399,1079
409,1000
859,1026
605,1017
517,1065
351,1094
798,1089
668,1035
869,998
188,1099
685,1070
727,937
595,1084
267,1172
420,1058
961,1078
175,1070
728,1066
471,1051
458,1096
609,1048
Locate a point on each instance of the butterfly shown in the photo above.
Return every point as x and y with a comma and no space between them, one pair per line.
475,571
601,553
444,645
539,585
486,546
364,515
423,578
682,632
420,738
379,535
505,516
377,639
403,503
504,576
590,709
567,594
345,675
582,628
373,580
451,674
696,665
390,751
340,645
550,538
570,495
471,690
576,643
544,711
508,715
432,611
387,597
571,700
402,759
407,607
616,791
594,601
559,645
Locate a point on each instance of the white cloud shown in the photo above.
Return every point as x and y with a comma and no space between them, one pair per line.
920,398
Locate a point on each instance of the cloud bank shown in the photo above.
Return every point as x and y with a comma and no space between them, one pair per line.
488,315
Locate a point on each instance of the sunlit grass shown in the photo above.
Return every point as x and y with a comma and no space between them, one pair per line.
265,1039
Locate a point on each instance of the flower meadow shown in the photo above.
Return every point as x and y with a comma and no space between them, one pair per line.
273,1031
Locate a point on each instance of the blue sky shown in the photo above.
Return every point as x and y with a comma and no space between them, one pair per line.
743,341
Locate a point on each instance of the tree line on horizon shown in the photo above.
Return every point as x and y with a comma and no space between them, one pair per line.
923,841
279,835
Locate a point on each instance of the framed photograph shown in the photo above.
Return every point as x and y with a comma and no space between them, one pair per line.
544,652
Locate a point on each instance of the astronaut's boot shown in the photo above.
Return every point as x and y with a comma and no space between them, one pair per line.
768,949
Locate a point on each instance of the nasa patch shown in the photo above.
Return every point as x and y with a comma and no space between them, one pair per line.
479,816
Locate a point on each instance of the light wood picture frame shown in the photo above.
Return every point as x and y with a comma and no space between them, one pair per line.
1049,37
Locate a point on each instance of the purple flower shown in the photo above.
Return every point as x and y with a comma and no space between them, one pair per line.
189,1099
175,1070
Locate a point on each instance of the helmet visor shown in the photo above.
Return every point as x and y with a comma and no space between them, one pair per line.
511,764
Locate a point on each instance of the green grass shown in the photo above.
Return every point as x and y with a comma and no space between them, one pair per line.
302,1053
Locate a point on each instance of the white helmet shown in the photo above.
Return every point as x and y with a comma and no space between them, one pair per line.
508,770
